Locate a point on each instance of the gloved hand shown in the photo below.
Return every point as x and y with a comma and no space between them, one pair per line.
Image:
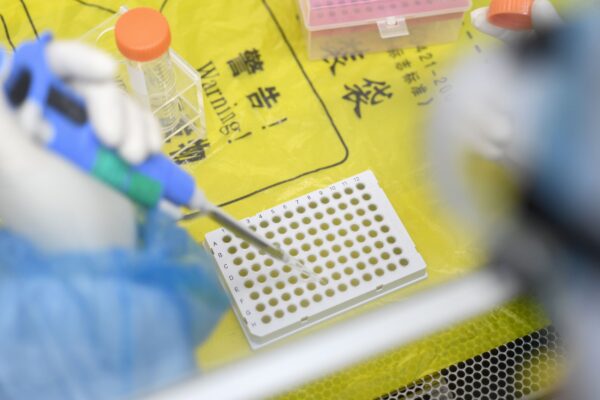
487,115
44,197
489,91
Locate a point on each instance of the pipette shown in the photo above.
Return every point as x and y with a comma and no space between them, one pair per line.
256,240
31,83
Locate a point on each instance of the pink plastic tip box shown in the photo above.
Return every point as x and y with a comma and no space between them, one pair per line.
345,27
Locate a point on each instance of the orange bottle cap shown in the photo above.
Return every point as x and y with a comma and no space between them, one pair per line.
511,14
142,34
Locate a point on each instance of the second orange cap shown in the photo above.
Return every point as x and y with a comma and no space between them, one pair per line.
511,14
142,34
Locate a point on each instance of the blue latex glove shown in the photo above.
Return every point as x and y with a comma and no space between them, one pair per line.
104,325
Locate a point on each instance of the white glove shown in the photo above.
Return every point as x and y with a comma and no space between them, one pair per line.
488,115
491,91
46,198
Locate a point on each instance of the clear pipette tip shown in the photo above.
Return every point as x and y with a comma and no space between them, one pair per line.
305,272
261,243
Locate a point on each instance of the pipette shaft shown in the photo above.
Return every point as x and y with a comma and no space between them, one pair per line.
203,207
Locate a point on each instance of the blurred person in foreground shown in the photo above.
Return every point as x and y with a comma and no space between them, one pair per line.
532,106
98,299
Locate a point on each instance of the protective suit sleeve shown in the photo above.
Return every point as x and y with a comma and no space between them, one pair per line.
104,325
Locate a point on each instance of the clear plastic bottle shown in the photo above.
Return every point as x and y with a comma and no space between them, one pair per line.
143,37
158,90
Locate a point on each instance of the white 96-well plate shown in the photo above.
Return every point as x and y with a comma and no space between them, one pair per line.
348,233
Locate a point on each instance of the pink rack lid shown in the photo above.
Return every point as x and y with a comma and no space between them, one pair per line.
327,14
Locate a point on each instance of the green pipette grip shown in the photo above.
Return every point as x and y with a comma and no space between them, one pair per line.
109,168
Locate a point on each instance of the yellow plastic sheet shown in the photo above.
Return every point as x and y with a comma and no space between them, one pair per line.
280,125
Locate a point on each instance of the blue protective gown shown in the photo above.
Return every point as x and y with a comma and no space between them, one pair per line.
104,325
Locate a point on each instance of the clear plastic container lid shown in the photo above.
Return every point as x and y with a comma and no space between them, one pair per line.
330,14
